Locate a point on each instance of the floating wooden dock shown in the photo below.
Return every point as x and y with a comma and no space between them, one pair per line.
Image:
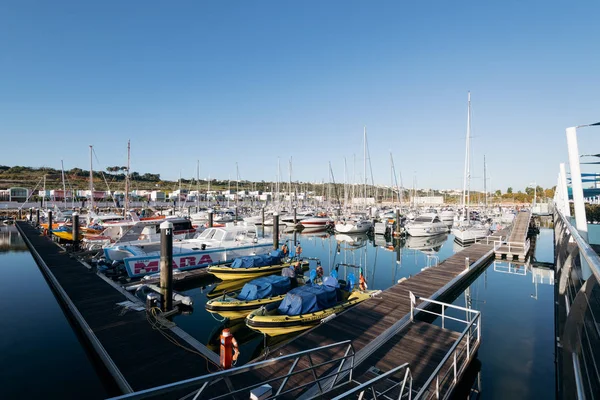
517,246
380,329
134,351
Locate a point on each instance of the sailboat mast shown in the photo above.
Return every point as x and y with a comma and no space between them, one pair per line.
126,205
237,186
485,182
197,185
466,173
62,169
91,181
365,162
469,153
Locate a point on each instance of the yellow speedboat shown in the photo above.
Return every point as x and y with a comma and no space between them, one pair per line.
302,308
224,272
65,235
256,293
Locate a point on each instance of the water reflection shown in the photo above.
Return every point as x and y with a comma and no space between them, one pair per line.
10,240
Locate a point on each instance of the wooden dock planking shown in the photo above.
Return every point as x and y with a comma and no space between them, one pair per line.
368,320
517,242
143,355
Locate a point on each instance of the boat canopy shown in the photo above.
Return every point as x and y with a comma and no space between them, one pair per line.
262,260
308,299
264,287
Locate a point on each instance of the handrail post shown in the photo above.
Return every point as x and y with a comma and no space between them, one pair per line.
443,316
412,303
455,375
468,344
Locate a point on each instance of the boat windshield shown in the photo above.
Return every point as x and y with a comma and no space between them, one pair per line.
423,219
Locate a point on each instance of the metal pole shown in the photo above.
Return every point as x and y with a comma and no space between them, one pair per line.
31,215
576,184
210,218
275,231
564,191
295,217
397,221
468,263
166,265
37,218
75,231
19,214
50,223
262,212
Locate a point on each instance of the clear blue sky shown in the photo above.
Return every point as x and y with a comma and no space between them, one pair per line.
250,81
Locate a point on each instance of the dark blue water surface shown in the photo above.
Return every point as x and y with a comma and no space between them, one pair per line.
516,303
40,355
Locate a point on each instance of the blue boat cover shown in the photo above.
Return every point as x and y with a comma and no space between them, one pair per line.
264,287
307,299
258,261
351,282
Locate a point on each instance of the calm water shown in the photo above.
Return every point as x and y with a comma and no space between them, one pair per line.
39,351
516,354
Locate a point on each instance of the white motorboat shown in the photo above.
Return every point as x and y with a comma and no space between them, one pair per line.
217,245
139,232
316,222
467,233
447,215
354,225
427,224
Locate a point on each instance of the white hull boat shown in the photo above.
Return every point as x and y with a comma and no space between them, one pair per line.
426,225
469,234
361,226
217,245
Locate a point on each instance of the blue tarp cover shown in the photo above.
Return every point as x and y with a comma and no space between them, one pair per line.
307,299
264,287
257,261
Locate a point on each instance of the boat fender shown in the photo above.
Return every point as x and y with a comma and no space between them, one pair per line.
328,318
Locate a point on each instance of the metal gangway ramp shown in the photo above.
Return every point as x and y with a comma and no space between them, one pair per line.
517,245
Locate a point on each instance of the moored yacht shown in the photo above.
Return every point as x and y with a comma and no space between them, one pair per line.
427,224
217,245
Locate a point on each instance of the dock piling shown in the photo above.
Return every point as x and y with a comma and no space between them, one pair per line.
31,215
467,263
397,222
166,265
275,231
50,223
37,218
19,214
75,231
210,218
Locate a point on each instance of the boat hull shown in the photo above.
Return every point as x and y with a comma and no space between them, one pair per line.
143,265
225,273
274,324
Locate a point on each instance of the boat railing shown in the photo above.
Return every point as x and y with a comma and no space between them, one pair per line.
325,372
578,273
446,376
400,388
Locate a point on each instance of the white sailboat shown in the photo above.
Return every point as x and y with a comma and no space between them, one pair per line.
467,231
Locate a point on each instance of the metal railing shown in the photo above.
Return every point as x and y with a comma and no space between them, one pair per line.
447,374
510,268
578,273
280,367
369,391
